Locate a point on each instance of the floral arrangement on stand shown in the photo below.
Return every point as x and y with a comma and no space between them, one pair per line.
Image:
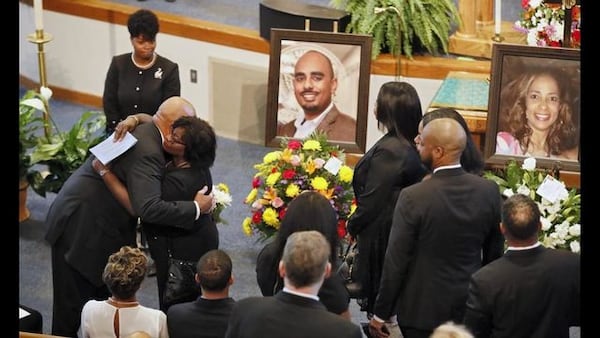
223,199
300,165
560,217
544,24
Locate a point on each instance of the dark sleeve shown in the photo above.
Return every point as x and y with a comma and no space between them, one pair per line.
493,246
171,84
384,168
400,251
110,100
478,318
266,271
334,295
144,184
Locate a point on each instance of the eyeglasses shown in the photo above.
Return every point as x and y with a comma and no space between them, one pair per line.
176,139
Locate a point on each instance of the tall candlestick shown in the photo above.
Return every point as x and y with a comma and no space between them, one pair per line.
38,13
498,15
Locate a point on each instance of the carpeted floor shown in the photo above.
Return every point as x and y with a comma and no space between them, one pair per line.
233,166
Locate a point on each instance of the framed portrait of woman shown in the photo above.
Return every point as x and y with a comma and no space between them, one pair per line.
318,81
534,106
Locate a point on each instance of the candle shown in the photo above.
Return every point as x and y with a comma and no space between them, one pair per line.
498,15
38,14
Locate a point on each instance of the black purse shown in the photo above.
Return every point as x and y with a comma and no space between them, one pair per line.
348,270
181,280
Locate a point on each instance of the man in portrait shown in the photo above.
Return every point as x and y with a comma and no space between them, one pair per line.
315,84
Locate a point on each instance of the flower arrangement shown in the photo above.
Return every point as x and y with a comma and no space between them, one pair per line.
223,199
544,24
311,164
560,216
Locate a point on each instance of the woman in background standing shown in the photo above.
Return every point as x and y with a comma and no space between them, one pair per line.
138,82
391,164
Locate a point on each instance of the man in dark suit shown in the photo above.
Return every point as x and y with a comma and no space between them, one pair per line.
207,316
444,228
86,224
531,291
294,312
314,85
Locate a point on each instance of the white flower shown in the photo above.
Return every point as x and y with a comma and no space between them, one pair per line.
535,3
508,192
222,197
529,163
46,93
523,189
575,230
546,224
574,246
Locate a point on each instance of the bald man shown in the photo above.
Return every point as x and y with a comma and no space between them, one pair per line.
444,229
86,224
314,86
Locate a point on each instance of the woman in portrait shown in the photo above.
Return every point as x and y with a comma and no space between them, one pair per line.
308,211
538,117
391,164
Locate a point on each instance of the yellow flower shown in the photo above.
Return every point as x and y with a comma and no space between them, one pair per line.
311,145
270,217
310,166
269,195
346,174
223,187
319,183
292,190
352,209
272,157
246,226
286,155
273,178
251,196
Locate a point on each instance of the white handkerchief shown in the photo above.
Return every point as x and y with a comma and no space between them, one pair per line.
552,189
333,165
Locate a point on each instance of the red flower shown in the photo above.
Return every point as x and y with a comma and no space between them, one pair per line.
576,36
256,182
554,43
341,228
289,174
282,212
294,144
257,217
525,4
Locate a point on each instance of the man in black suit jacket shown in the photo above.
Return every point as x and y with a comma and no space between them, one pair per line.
294,312
444,228
86,224
529,292
207,316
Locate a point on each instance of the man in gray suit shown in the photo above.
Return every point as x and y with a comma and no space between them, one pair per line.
529,292
314,86
86,223
444,228
294,312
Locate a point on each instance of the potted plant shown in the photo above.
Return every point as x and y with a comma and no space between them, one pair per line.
403,26
30,124
60,153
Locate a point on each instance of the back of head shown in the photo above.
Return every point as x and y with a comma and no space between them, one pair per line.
214,270
125,272
143,22
305,257
309,211
399,109
200,141
520,217
170,110
451,330
447,134
471,159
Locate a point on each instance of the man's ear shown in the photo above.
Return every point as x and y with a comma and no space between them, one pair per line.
502,229
327,269
231,279
197,278
281,269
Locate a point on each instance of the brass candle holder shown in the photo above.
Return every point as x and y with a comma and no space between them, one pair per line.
40,38
497,37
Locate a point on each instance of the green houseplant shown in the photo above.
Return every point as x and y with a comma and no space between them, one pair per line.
401,26
60,153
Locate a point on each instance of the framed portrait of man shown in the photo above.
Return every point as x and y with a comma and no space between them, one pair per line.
534,106
318,82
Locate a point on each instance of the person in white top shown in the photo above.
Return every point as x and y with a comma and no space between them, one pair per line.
121,315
